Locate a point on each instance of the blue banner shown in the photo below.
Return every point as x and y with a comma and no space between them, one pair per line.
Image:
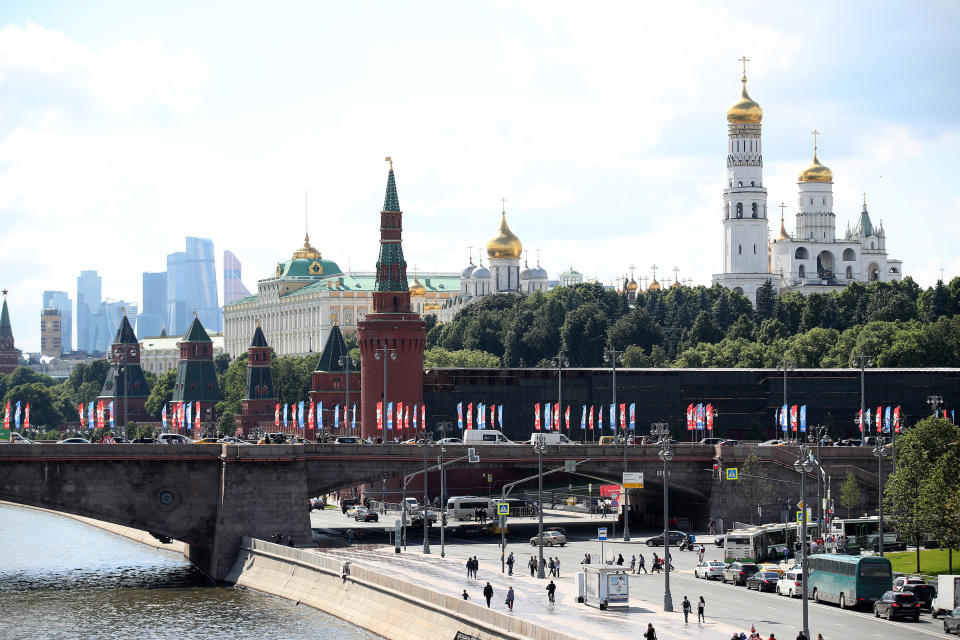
803,418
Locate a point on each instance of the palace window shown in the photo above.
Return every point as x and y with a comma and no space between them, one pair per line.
803,271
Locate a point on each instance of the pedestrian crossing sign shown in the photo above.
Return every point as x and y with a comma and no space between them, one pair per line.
503,508
732,473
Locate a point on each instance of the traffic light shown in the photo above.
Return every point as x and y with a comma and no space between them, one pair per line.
717,464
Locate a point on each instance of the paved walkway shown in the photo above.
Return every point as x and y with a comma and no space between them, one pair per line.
449,575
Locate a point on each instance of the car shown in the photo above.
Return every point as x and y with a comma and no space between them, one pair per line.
924,594
412,504
366,515
16,438
709,570
411,441
763,581
770,566
348,440
417,516
900,581
730,443
232,440
173,438
896,604
550,539
676,537
352,510
318,503
951,622
145,441
346,503
607,440
773,443
450,441
791,583
559,530
74,441
207,441
738,572
711,441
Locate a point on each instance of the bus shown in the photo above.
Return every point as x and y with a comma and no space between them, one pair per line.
862,532
765,543
849,581
465,507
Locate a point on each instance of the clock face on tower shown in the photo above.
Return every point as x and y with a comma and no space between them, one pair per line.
133,352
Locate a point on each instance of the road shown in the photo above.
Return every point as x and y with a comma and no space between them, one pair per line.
769,612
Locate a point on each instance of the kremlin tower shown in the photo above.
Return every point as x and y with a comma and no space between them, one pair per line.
9,354
125,384
259,401
391,337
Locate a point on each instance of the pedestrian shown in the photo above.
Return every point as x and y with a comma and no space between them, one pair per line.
476,566
509,600
801,636
488,594
650,633
642,565
510,562
289,539
687,607
551,589
543,565
656,563
700,554
711,527
533,566
465,595
586,559
701,617
469,567
633,562
550,565
620,560
819,636
556,566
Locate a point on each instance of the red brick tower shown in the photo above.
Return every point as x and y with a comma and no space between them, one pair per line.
125,384
336,381
259,401
391,331
9,354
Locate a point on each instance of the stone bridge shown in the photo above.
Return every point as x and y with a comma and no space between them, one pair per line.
209,496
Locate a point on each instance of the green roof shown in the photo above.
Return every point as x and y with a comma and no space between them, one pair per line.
333,350
390,200
6,331
196,332
305,267
259,340
125,334
365,283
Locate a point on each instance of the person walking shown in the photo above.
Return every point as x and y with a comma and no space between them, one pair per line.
701,617
550,565
469,567
642,565
620,560
510,562
551,589
465,595
556,566
533,566
800,635
633,562
488,594
650,633
476,566
509,600
687,608
656,563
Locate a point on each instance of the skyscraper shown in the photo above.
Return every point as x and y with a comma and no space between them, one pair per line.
233,288
154,313
176,293
60,301
50,336
202,282
88,303
104,323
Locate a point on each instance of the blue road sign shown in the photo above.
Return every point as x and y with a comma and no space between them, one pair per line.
601,533
503,508
732,474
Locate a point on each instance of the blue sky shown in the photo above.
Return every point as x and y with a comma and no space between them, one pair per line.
126,126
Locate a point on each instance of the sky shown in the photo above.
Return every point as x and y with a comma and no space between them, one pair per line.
125,127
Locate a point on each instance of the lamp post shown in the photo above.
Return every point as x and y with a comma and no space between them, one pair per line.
786,365
863,360
443,510
661,430
392,354
539,446
346,361
614,357
880,452
934,402
426,500
818,432
804,465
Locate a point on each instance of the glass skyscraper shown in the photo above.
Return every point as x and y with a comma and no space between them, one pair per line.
202,283
89,295
154,311
176,293
60,301
233,288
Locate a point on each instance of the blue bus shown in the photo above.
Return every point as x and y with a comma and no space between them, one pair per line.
850,581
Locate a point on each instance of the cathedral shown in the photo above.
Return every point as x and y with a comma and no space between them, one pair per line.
812,259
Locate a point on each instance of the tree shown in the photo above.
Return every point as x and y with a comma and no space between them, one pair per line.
464,358
753,484
722,316
227,425
635,328
43,413
703,330
161,393
766,297
584,335
940,488
949,536
221,362
850,493
233,386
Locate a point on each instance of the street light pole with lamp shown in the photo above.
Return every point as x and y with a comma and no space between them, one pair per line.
786,365
392,354
540,446
614,357
880,452
804,465
818,432
864,361
661,430
346,361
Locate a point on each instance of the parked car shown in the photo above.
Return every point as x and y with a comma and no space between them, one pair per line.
145,441
348,440
173,438
550,539
450,441
676,537
709,570
738,572
366,515
791,583
763,581
711,441
895,604
346,503
951,622
73,441
16,438
900,581
924,594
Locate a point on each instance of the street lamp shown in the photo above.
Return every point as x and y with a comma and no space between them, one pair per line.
346,361
540,446
804,465
661,430
614,356
818,432
786,365
880,452
934,402
392,353
426,500
863,360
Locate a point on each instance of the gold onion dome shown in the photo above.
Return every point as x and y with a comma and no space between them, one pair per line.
632,285
783,231
654,286
307,251
417,289
505,245
745,111
675,284
816,172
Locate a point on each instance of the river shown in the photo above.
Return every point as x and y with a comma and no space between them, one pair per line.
60,578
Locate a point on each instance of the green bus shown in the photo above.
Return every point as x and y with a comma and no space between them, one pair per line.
850,581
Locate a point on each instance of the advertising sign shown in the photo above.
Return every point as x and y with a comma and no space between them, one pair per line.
633,480
618,590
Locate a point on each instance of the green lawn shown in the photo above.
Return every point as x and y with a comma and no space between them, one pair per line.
932,561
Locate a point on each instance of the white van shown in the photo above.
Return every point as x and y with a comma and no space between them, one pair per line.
551,438
465,507
485,436
791,583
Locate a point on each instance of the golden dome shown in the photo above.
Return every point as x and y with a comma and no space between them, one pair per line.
783,231
654,286
675,285
307,251
746,111
417,289
816,172
632,285
505,245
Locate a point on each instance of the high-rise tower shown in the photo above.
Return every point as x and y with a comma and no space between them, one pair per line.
745,226
202,282
391,337
233,288
89,291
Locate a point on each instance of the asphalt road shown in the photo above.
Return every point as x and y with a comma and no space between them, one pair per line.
769,612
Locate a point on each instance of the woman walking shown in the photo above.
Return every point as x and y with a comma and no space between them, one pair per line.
509,600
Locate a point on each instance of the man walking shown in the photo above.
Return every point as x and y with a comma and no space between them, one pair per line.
469,567
642,565
633,562
510,562
509,600
488,594
533,566
687,607
556,566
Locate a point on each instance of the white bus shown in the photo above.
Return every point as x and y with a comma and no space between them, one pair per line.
863,532
465,507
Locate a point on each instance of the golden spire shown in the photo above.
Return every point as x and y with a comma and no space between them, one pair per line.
783,230
745,111
816,172
654,285
390,160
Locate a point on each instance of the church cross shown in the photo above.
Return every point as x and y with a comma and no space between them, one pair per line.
503,205
470,249
782,207
815,134
744,60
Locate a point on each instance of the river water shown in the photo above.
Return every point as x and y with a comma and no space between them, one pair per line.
60,578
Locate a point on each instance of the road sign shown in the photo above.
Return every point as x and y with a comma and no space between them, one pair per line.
732,473
799,516
570,466
503,508
633,480
601,533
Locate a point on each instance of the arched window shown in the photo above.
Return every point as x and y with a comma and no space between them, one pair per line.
739,209
849,255
739,183
738,290
739,249
871,244
801,253
803,271
752,183
754,210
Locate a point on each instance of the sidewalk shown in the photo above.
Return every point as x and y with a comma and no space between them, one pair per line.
448,575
